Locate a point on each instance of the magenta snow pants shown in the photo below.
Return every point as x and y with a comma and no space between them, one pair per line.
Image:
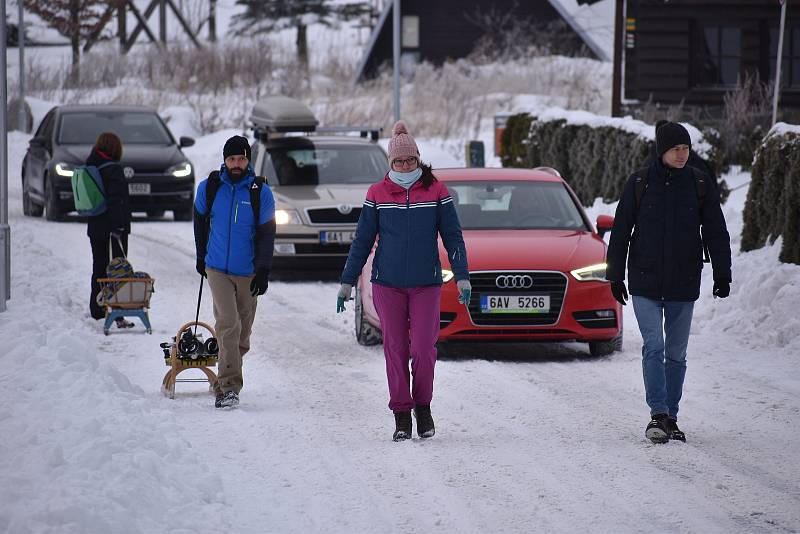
410,326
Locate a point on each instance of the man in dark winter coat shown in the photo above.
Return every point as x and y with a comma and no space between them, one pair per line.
660,235
234,250
112,226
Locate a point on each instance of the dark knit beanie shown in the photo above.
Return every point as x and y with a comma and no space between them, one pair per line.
669,135
236,146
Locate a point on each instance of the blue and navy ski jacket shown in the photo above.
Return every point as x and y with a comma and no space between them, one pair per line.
236,244
407,224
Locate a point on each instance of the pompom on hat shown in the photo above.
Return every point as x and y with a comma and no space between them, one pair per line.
402,145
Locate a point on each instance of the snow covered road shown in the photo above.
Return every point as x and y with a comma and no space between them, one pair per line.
530,438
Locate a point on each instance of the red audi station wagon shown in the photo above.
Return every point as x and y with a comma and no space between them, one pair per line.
536,262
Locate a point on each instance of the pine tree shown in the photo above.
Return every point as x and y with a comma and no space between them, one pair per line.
272,15
75,20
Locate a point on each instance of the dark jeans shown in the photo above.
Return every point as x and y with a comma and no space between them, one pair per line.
100,259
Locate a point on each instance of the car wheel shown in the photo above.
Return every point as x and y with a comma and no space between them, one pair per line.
604,348
155,213
51,203
182,215
29,207
366,334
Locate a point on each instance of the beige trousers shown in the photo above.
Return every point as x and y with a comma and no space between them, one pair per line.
234,311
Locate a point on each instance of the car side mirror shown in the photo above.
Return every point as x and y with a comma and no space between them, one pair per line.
186,141
604,224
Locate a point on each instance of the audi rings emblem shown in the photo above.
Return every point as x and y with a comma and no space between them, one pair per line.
344,209
128,172
514,281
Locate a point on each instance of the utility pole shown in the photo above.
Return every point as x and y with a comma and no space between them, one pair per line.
5,230
616,90
396,47
212,21
22,117
778,60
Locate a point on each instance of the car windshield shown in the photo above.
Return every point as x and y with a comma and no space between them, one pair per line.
134,128
515,205
325,164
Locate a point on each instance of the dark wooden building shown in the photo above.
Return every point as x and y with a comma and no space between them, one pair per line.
695,51
440,30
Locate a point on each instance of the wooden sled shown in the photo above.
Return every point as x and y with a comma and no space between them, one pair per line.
177,365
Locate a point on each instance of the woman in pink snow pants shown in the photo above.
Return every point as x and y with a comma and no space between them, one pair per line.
408,210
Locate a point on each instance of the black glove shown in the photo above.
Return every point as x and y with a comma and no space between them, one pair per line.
620,292
260,282
201,268
722,289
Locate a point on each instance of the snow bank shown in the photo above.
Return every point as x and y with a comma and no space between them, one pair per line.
782,128
112,468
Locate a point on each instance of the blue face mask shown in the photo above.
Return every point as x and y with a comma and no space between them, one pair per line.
405,179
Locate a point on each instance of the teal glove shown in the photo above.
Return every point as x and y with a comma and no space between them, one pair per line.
344,294
464,291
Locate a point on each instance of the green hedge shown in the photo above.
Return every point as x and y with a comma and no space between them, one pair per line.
595,161
772,208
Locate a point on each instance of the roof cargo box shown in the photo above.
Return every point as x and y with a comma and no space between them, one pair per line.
282,114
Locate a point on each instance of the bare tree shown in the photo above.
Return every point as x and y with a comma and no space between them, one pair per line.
74,19
270,15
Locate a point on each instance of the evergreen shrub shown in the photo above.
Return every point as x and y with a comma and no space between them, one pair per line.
772,207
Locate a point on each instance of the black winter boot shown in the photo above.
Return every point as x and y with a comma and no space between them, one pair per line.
402,423
425,428
657,430
675,432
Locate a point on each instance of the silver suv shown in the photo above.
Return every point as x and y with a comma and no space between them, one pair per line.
319,177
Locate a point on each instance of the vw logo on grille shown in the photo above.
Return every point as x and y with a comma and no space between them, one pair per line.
344,209
128,172
514,281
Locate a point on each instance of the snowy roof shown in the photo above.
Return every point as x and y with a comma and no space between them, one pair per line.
594,23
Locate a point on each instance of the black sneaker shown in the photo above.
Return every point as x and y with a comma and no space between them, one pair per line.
657,430
675,432
425,428
218,400
402,423
229,400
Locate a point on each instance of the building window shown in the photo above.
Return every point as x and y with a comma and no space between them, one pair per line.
410,31
720,56
790,66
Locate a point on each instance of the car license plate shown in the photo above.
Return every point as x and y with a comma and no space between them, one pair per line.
139,189
515,303
336,237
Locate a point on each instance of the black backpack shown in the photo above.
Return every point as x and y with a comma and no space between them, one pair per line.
214,182
700,186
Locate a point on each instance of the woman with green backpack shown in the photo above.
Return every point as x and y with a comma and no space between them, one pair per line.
109,230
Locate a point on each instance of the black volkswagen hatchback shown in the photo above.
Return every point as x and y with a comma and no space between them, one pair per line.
159,175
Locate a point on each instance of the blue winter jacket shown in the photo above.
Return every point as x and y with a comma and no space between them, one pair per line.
236,244
408,224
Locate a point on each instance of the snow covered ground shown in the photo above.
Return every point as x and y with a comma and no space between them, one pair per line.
530,438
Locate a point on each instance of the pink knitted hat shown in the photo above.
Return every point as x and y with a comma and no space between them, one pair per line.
402,145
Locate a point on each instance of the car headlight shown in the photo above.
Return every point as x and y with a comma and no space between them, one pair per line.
181,170
447,275
595,273
65,169
287,217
